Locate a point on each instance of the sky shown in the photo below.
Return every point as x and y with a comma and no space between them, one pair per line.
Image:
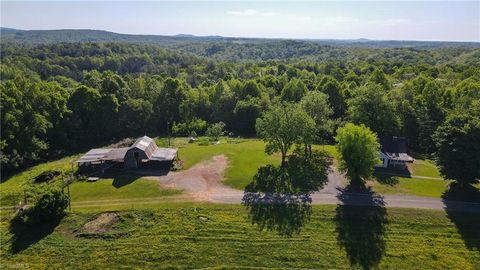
380,20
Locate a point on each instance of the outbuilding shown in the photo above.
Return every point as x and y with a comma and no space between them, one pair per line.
144,153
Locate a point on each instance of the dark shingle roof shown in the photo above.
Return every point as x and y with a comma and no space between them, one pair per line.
393,144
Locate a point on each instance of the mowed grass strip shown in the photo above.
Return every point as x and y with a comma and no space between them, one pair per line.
123,187
215,236
412,186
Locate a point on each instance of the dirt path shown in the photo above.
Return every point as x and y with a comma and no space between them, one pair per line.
201,180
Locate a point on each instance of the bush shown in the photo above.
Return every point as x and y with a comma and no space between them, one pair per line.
215,131
50,206
196,126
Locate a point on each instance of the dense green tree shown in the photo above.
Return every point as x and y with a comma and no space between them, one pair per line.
457,141
250,90
83,121
331,87
167,105
316,105
223,103
293,91
371,106
215,131
136,116
358,151
284,125
379,77
246,113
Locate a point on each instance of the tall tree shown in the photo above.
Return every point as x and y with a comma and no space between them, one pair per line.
331,87
458,147
293,91
358,151
283,126
371,106
379,77
316,105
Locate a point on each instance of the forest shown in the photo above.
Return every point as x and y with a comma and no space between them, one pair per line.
66,97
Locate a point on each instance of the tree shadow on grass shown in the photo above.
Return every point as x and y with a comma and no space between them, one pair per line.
285,214
463,209
122,180
387,179
25,234
361,221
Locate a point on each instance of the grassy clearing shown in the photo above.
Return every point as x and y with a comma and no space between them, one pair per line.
245,156
119,188
424,168
219,236
12,189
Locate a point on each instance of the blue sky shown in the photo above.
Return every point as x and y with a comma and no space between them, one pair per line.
407,20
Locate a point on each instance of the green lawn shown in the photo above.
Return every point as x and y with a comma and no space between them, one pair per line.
222,236
410,186
245,157
119,188
424,168
13,188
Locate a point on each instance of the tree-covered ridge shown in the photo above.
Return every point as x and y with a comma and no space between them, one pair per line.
253,49
66,96
23,37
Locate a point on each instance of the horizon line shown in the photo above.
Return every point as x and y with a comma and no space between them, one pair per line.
244,37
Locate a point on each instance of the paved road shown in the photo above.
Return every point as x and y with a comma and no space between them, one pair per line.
204,183
330,195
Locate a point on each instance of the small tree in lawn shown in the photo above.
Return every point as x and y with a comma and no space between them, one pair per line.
283,126
215,131
358,149
458,148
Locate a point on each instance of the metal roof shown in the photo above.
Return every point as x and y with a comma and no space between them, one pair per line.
96,154
147,145
117,154
399,157
164,154
144,143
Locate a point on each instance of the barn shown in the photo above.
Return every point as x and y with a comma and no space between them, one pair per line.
144,153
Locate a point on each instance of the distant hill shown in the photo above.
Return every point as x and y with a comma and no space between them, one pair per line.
29,37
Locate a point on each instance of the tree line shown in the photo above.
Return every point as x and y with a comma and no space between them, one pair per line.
68,97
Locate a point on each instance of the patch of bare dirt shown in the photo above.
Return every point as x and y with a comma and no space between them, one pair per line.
99,226
201,180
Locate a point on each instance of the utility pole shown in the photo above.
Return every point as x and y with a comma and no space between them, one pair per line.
168,133
68,186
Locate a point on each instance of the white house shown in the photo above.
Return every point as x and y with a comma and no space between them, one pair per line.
393,153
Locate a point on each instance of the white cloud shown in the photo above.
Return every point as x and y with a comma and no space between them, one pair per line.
389,22
250,12
298,18
339,19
